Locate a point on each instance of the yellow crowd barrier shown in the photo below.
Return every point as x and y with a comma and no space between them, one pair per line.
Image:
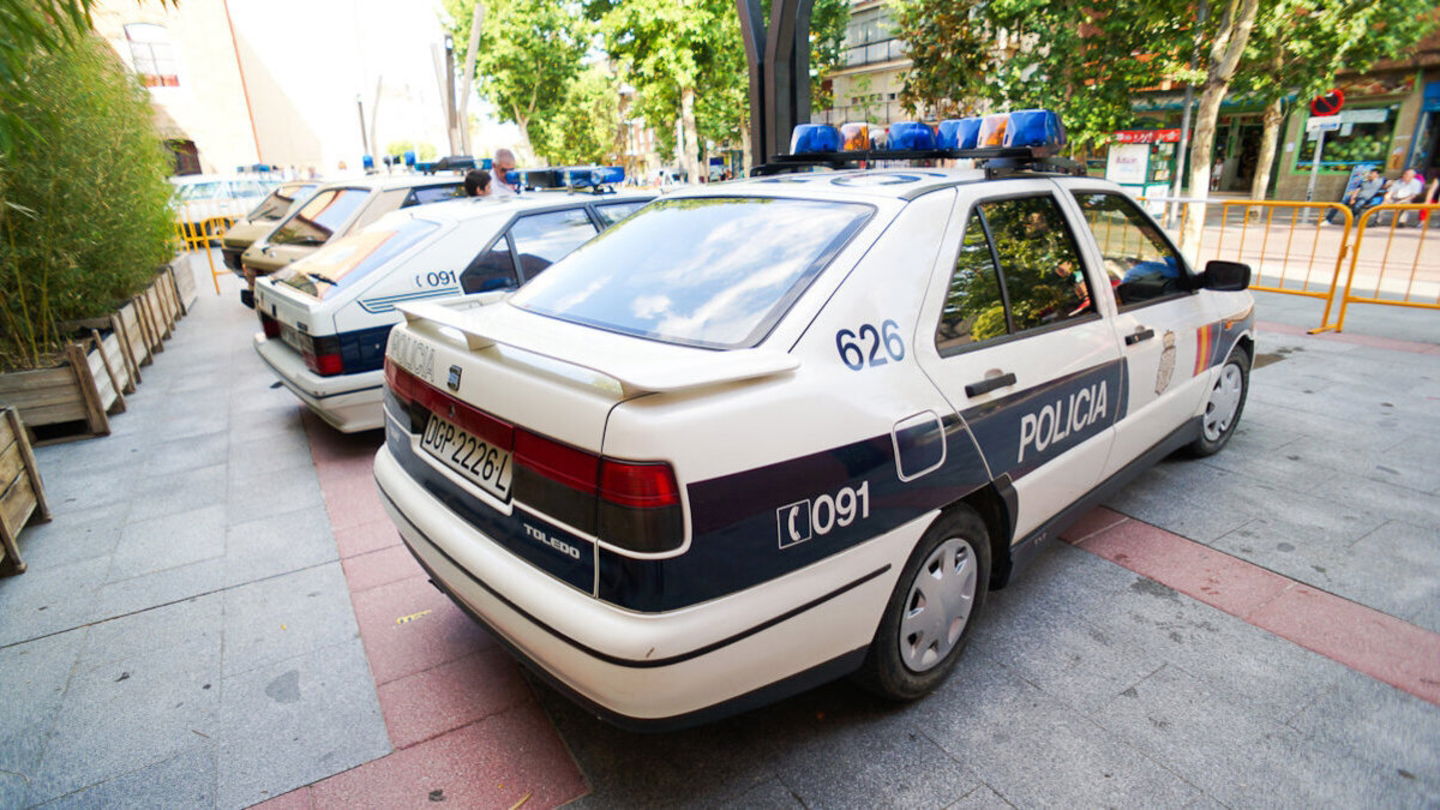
1405,286
198,234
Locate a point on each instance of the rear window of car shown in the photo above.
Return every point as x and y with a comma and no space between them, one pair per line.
716,272
349,259
273,207
317,219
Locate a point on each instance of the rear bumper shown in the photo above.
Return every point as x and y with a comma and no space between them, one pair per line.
653,670
348,402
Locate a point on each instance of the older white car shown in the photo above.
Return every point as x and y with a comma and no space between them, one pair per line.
324,319
766,433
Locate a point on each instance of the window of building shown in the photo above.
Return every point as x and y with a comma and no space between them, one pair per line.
152,55
1363,137
870,38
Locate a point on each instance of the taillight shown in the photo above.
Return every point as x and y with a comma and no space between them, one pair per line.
631,504
324,356
270,325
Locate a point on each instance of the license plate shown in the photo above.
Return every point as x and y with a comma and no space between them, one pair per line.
292,336
479,461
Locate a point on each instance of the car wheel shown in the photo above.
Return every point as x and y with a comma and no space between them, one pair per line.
1224,405
935,603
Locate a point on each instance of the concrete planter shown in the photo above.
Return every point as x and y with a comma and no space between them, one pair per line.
22,493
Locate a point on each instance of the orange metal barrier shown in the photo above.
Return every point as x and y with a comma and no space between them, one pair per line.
198,235
1407,288
1308,285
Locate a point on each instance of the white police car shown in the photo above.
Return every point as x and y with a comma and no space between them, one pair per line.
766,433
325,317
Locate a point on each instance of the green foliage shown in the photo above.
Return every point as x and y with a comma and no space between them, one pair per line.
586,126
530,53
84,200
1300,46
828,22
423,151
1085,62
28,27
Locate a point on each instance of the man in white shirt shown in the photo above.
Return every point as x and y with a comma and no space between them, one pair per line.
503,164
1404,190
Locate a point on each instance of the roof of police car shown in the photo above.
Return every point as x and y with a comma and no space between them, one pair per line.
465,208
903,183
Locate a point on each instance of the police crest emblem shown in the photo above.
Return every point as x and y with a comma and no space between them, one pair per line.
1167,364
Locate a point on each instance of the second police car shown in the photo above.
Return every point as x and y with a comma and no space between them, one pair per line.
325,317
767,433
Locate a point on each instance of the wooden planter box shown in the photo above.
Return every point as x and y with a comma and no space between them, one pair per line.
99,369
22,493
183,277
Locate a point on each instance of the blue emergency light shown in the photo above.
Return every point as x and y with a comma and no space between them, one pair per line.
959,133
810,138
367,162
911,135
410,157
1034,128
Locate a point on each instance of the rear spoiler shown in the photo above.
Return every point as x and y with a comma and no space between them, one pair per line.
667,368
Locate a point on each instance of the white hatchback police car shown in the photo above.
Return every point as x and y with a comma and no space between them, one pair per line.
324,319
766,433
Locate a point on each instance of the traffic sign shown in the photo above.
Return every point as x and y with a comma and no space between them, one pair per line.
1328,104
1324,123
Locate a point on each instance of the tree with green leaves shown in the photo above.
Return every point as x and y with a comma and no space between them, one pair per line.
585,128
676,51
829,20
29,27
85,213
530,52
1298,47
1227,44
1085,62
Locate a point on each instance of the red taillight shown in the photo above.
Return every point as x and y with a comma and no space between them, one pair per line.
325,364
270,325
560,463
640,486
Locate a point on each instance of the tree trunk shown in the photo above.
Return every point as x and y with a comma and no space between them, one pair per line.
746,164
1274,117
692,134
527,154
1225,51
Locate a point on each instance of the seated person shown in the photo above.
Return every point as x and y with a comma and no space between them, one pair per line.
1405,189
1365,195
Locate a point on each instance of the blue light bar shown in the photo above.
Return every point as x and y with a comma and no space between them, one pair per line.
409,157
808,138
1034,128
910,135
959,133
593,176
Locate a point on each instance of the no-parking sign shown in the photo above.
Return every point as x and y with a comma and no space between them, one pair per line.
1328,104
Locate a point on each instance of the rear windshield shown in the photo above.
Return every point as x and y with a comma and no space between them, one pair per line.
317,219
347,260
717,272
272,208
200,191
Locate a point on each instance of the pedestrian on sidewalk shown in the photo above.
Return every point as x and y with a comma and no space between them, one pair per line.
1405,189
1365,195
504,163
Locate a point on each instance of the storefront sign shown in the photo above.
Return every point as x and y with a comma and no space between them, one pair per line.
1127,163
1148,136
1368,115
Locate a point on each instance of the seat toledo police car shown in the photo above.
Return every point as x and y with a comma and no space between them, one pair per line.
325,318
766,433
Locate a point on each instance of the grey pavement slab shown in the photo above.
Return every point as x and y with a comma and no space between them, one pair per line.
169,592
297,721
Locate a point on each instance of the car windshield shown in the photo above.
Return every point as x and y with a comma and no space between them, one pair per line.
200,191
317,219
273,207
717,272
345,261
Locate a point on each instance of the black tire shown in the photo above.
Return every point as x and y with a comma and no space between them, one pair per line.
1215,433
888,670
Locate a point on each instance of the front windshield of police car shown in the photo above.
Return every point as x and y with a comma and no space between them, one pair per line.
705,271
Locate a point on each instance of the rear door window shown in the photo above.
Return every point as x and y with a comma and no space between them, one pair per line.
543,239
430,194
319,218
493,269
702,271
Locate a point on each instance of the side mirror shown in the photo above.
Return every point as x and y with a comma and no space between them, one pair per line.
1224,276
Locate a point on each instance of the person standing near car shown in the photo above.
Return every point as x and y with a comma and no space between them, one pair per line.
477,183
504,163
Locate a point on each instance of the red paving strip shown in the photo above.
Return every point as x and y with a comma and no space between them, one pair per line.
1386,648
462,719
1359,340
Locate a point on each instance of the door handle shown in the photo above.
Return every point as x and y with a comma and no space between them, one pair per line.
1139,335
989,384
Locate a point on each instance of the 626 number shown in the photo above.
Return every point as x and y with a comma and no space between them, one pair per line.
853,354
